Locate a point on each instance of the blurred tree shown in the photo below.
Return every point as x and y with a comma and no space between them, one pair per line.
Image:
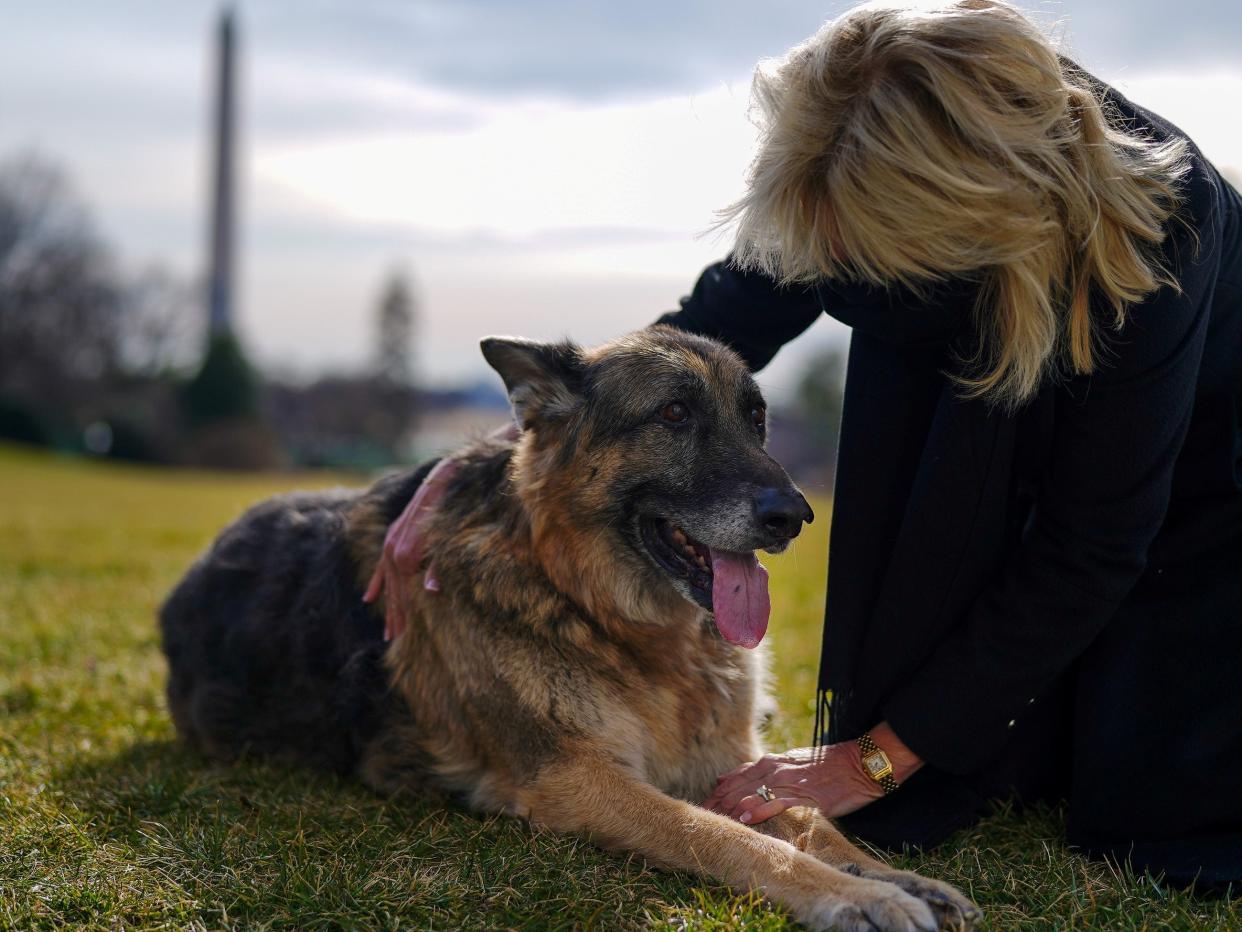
225,388
804,434
228,426
19,422
820,394
394,333
61,303
162,328
81,344
389,407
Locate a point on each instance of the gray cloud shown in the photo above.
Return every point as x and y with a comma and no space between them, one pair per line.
604,48
119,92
100,70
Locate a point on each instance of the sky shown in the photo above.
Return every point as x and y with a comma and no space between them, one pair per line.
539,168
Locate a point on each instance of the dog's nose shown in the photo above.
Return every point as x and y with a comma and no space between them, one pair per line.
781,512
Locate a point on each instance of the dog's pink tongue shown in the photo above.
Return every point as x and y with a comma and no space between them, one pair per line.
740,598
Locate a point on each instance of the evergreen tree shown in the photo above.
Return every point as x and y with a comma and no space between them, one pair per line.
394,333
819,399
225,388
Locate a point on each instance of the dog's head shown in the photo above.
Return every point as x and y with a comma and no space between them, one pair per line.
643,465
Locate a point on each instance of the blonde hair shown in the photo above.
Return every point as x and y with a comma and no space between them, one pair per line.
905,145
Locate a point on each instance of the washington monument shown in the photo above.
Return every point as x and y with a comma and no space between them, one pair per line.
220,281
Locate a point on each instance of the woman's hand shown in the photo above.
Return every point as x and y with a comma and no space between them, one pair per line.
831,778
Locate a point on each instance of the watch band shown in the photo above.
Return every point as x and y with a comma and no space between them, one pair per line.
868,747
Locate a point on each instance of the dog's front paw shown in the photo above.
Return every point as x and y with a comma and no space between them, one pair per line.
952,909
871,906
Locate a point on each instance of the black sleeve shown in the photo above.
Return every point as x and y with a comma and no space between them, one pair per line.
1102,499
750,312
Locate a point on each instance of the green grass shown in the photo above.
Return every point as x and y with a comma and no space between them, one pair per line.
105,821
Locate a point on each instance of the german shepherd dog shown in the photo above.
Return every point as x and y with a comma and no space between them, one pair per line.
585,664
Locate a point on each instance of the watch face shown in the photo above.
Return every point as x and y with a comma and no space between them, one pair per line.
875,764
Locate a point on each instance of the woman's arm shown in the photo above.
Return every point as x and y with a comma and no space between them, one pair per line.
746,310
831,778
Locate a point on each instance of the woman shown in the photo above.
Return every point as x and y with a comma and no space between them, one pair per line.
1036,545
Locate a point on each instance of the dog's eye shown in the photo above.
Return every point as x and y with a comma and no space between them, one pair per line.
759,415
675,413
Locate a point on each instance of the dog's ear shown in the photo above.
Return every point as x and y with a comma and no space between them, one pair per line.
544,380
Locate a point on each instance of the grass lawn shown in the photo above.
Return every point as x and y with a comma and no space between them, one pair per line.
106,821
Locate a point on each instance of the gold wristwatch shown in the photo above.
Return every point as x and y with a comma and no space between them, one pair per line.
879,768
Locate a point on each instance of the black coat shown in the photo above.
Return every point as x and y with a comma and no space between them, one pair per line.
1049,599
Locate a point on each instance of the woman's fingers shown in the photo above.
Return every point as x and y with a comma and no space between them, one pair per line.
828,779
726,777
730,804
725,787
747,771
784,780
759,809
748,775
740,782
793,756
726,800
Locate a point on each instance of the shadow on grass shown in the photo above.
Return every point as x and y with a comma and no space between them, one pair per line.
165,782
261,843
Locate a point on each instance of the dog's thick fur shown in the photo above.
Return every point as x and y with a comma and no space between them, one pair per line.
561,673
